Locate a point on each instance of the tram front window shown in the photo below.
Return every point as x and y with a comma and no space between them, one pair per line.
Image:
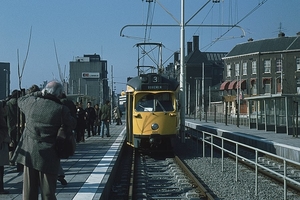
155,103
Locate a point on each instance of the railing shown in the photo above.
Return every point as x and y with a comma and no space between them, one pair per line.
223,144
244,120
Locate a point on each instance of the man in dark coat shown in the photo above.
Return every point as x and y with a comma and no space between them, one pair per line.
90,119
80,116
11,119
105,118
44,114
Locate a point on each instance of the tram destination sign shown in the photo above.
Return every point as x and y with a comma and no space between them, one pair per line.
155,87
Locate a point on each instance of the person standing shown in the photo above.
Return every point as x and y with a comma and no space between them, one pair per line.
70,104
80,127
4,141
97,120
90,119
105,118
118,115
11,119
44,114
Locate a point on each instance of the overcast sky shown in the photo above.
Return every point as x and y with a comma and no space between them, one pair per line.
93,26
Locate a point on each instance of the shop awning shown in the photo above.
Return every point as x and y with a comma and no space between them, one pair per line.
241,84
232,85
224,85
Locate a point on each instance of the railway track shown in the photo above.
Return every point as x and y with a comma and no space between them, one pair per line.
149,176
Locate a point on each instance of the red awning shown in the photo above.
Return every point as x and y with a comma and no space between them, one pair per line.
224,85
241,84
232,85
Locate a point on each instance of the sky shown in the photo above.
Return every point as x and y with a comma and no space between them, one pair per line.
77,27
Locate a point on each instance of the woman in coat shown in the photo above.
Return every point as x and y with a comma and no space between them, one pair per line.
4,141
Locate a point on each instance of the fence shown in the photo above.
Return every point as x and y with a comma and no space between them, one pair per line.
223,144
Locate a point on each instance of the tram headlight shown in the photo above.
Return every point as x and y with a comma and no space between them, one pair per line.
154,126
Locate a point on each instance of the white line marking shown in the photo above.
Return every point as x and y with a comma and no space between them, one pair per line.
90,187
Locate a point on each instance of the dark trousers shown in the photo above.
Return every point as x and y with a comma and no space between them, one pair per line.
80,134
90,127
33,179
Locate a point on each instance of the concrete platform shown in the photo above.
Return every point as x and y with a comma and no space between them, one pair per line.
278,143
87,172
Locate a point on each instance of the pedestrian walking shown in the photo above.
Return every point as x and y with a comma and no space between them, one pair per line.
44,114
97,123
105,118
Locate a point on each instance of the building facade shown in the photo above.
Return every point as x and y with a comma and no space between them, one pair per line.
4,80
88,79
262,80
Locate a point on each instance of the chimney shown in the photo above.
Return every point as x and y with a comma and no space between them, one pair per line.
281,34
196,42
189,47
176,57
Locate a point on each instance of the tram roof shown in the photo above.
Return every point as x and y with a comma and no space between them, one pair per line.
139,82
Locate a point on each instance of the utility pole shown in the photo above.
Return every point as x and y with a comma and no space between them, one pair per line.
182,75
112,86
202,106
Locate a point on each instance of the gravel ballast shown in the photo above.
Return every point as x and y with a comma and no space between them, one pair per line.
223,184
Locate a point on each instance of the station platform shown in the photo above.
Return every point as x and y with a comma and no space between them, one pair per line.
280,144
87,172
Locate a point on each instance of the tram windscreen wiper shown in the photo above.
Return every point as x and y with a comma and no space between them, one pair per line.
161,105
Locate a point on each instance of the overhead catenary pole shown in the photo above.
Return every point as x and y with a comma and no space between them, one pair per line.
202,95
111,90
182,74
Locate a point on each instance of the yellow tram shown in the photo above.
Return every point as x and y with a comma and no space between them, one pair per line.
152,117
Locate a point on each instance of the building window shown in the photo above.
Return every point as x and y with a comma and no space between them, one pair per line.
298,85
253,87
298,63
237,69
253,67
245,68
228,71
267,66
278,85
267,85
278,65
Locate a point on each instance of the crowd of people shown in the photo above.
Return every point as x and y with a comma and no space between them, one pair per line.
31,144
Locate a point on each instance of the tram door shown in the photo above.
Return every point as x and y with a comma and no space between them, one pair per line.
129,121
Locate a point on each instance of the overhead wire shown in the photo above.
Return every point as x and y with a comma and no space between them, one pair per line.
253,10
